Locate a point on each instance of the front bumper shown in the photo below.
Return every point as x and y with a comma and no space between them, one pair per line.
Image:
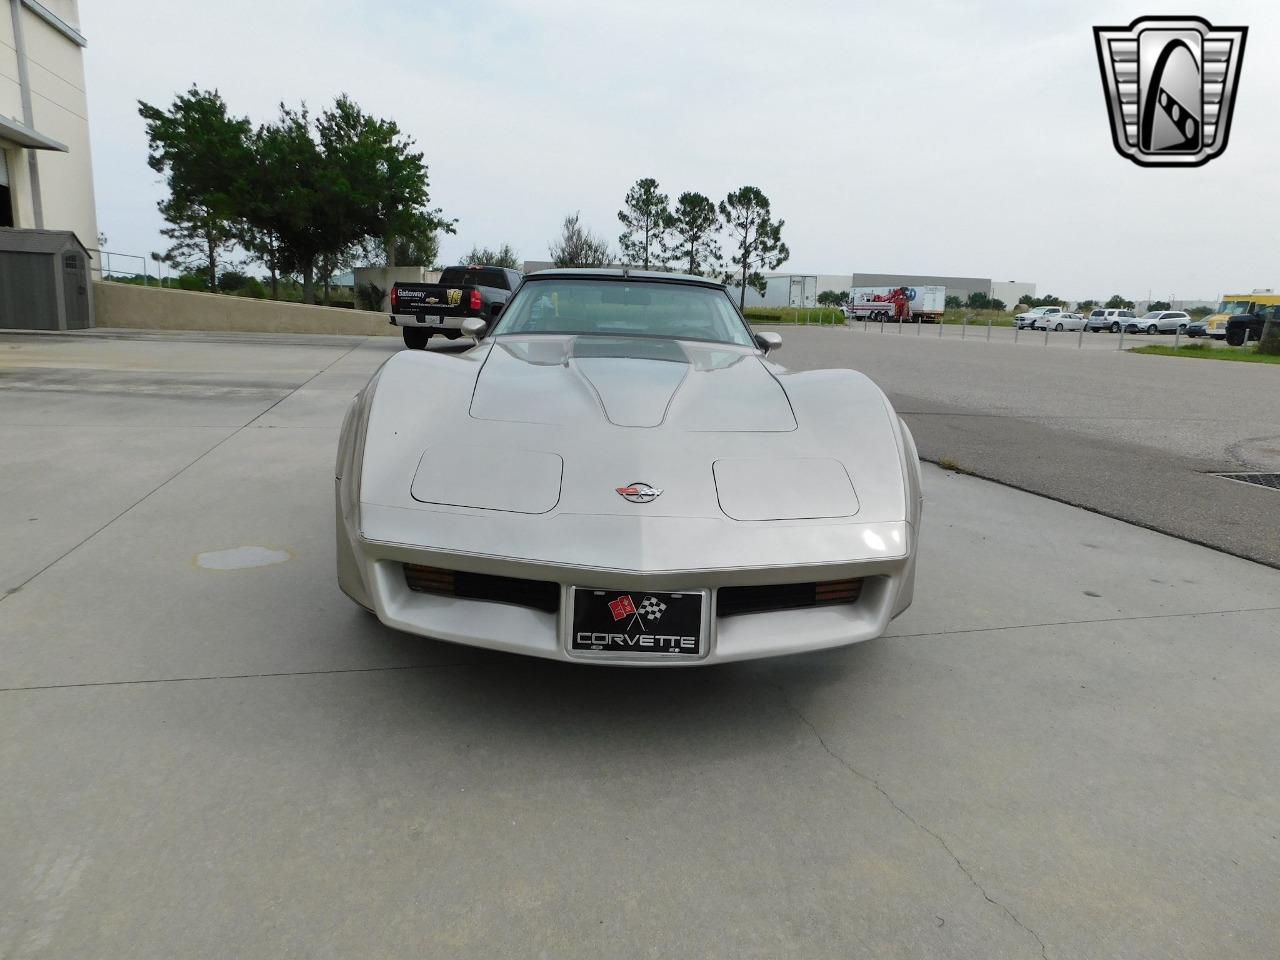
371,572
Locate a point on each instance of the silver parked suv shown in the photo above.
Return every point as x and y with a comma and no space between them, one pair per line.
1108,319
1159,321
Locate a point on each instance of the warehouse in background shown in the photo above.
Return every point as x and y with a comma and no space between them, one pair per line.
801,290
46,174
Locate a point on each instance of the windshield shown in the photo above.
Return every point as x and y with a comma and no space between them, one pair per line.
1234,307
624,308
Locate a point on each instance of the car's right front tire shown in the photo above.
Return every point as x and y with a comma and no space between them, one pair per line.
416,339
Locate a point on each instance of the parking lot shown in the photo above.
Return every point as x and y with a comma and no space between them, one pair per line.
1066,748
1132,436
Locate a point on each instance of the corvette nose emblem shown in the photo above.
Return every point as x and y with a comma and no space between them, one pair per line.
639,493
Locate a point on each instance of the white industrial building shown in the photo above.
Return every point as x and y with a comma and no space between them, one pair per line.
46,173
801,289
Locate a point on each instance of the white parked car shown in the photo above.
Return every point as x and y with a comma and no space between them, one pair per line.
1059,321
1024,320
1159,321
619,473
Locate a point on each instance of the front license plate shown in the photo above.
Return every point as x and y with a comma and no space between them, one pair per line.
640,624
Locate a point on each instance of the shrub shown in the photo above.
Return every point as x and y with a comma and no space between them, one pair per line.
1270,344
193,281
232,280
253,289
370,296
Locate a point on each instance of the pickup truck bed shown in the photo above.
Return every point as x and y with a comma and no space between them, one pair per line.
425,309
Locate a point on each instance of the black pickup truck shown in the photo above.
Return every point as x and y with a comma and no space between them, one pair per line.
422,309
1250,326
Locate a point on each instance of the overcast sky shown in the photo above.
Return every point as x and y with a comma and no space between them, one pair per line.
952,138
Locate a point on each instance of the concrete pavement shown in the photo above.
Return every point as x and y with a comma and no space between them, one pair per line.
1066,748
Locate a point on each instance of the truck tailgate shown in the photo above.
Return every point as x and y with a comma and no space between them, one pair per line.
434,299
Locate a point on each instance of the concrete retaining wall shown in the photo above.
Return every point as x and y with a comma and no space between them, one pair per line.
157,308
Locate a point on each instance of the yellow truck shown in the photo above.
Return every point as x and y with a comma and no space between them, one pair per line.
1242,311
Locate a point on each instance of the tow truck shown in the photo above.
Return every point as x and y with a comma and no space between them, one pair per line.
894,305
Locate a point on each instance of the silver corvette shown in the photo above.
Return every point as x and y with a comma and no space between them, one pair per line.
617,473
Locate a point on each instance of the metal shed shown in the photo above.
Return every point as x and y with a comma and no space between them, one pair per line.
44,280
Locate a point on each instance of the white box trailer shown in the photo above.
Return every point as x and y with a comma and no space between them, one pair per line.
870,303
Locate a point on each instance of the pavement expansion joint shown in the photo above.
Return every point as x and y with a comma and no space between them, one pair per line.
912,820
1077,623
144,681
167,480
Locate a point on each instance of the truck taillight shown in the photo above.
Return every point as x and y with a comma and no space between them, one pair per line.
475,300
393,299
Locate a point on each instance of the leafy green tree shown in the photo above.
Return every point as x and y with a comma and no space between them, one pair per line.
381,181
1118,302
1159,305
1085,306
1048,300
419,251
646,215
268,199
756,237
578,246
996,304
833,298
953,302
204,155
504,256
691,240
310,217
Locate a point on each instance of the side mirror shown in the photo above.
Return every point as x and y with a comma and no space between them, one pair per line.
769,342
474,328
495,309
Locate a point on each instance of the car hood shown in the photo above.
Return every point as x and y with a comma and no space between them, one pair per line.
630,382
550,427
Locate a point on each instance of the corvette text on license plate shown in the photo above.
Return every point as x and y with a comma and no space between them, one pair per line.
636,622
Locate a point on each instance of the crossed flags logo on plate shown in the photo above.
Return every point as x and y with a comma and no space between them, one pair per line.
650,608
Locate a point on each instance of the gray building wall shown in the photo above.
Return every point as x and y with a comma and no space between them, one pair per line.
1011,291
